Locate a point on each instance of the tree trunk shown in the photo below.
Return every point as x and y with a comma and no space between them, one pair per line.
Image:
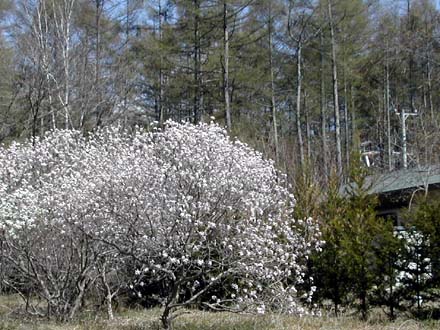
363,299
335,93
363,291
323,109
109,302
411,61
354,140
34,111
79,298
346,125
391,300
429,81
165,318
42,125
196,63
108,292
99,109
308,130
66,58
161,75
272,91
298,104
226,66
387,109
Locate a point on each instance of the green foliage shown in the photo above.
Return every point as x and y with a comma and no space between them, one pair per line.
360,234
386,289
307,194
426,219
423,229
359,246
329,268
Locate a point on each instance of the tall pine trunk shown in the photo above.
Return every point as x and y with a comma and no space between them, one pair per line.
196,63
346,124
226,66
323,109
387,109
99,107
272,90
337,122
298,104
161,75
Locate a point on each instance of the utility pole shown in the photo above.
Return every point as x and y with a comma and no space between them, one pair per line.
403,117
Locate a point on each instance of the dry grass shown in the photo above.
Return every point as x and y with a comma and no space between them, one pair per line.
131,319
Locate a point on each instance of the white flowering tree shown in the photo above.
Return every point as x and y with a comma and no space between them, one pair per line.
51,219
46,242
190,208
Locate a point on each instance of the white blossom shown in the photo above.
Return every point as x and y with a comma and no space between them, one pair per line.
182,200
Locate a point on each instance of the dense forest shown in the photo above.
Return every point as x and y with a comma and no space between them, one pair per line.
306,82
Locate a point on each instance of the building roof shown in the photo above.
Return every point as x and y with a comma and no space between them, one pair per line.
404,179
398,181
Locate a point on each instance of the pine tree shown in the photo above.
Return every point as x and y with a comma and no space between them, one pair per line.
329,268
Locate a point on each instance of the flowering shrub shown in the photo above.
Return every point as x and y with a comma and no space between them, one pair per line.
415,266
191,208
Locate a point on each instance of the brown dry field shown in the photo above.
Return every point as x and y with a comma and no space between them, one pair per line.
131,319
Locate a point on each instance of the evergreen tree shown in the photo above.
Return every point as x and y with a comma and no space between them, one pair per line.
422,243
330,270
387,287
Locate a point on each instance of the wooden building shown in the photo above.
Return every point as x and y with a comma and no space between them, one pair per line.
399,190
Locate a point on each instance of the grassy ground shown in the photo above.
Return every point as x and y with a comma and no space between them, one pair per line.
197,320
